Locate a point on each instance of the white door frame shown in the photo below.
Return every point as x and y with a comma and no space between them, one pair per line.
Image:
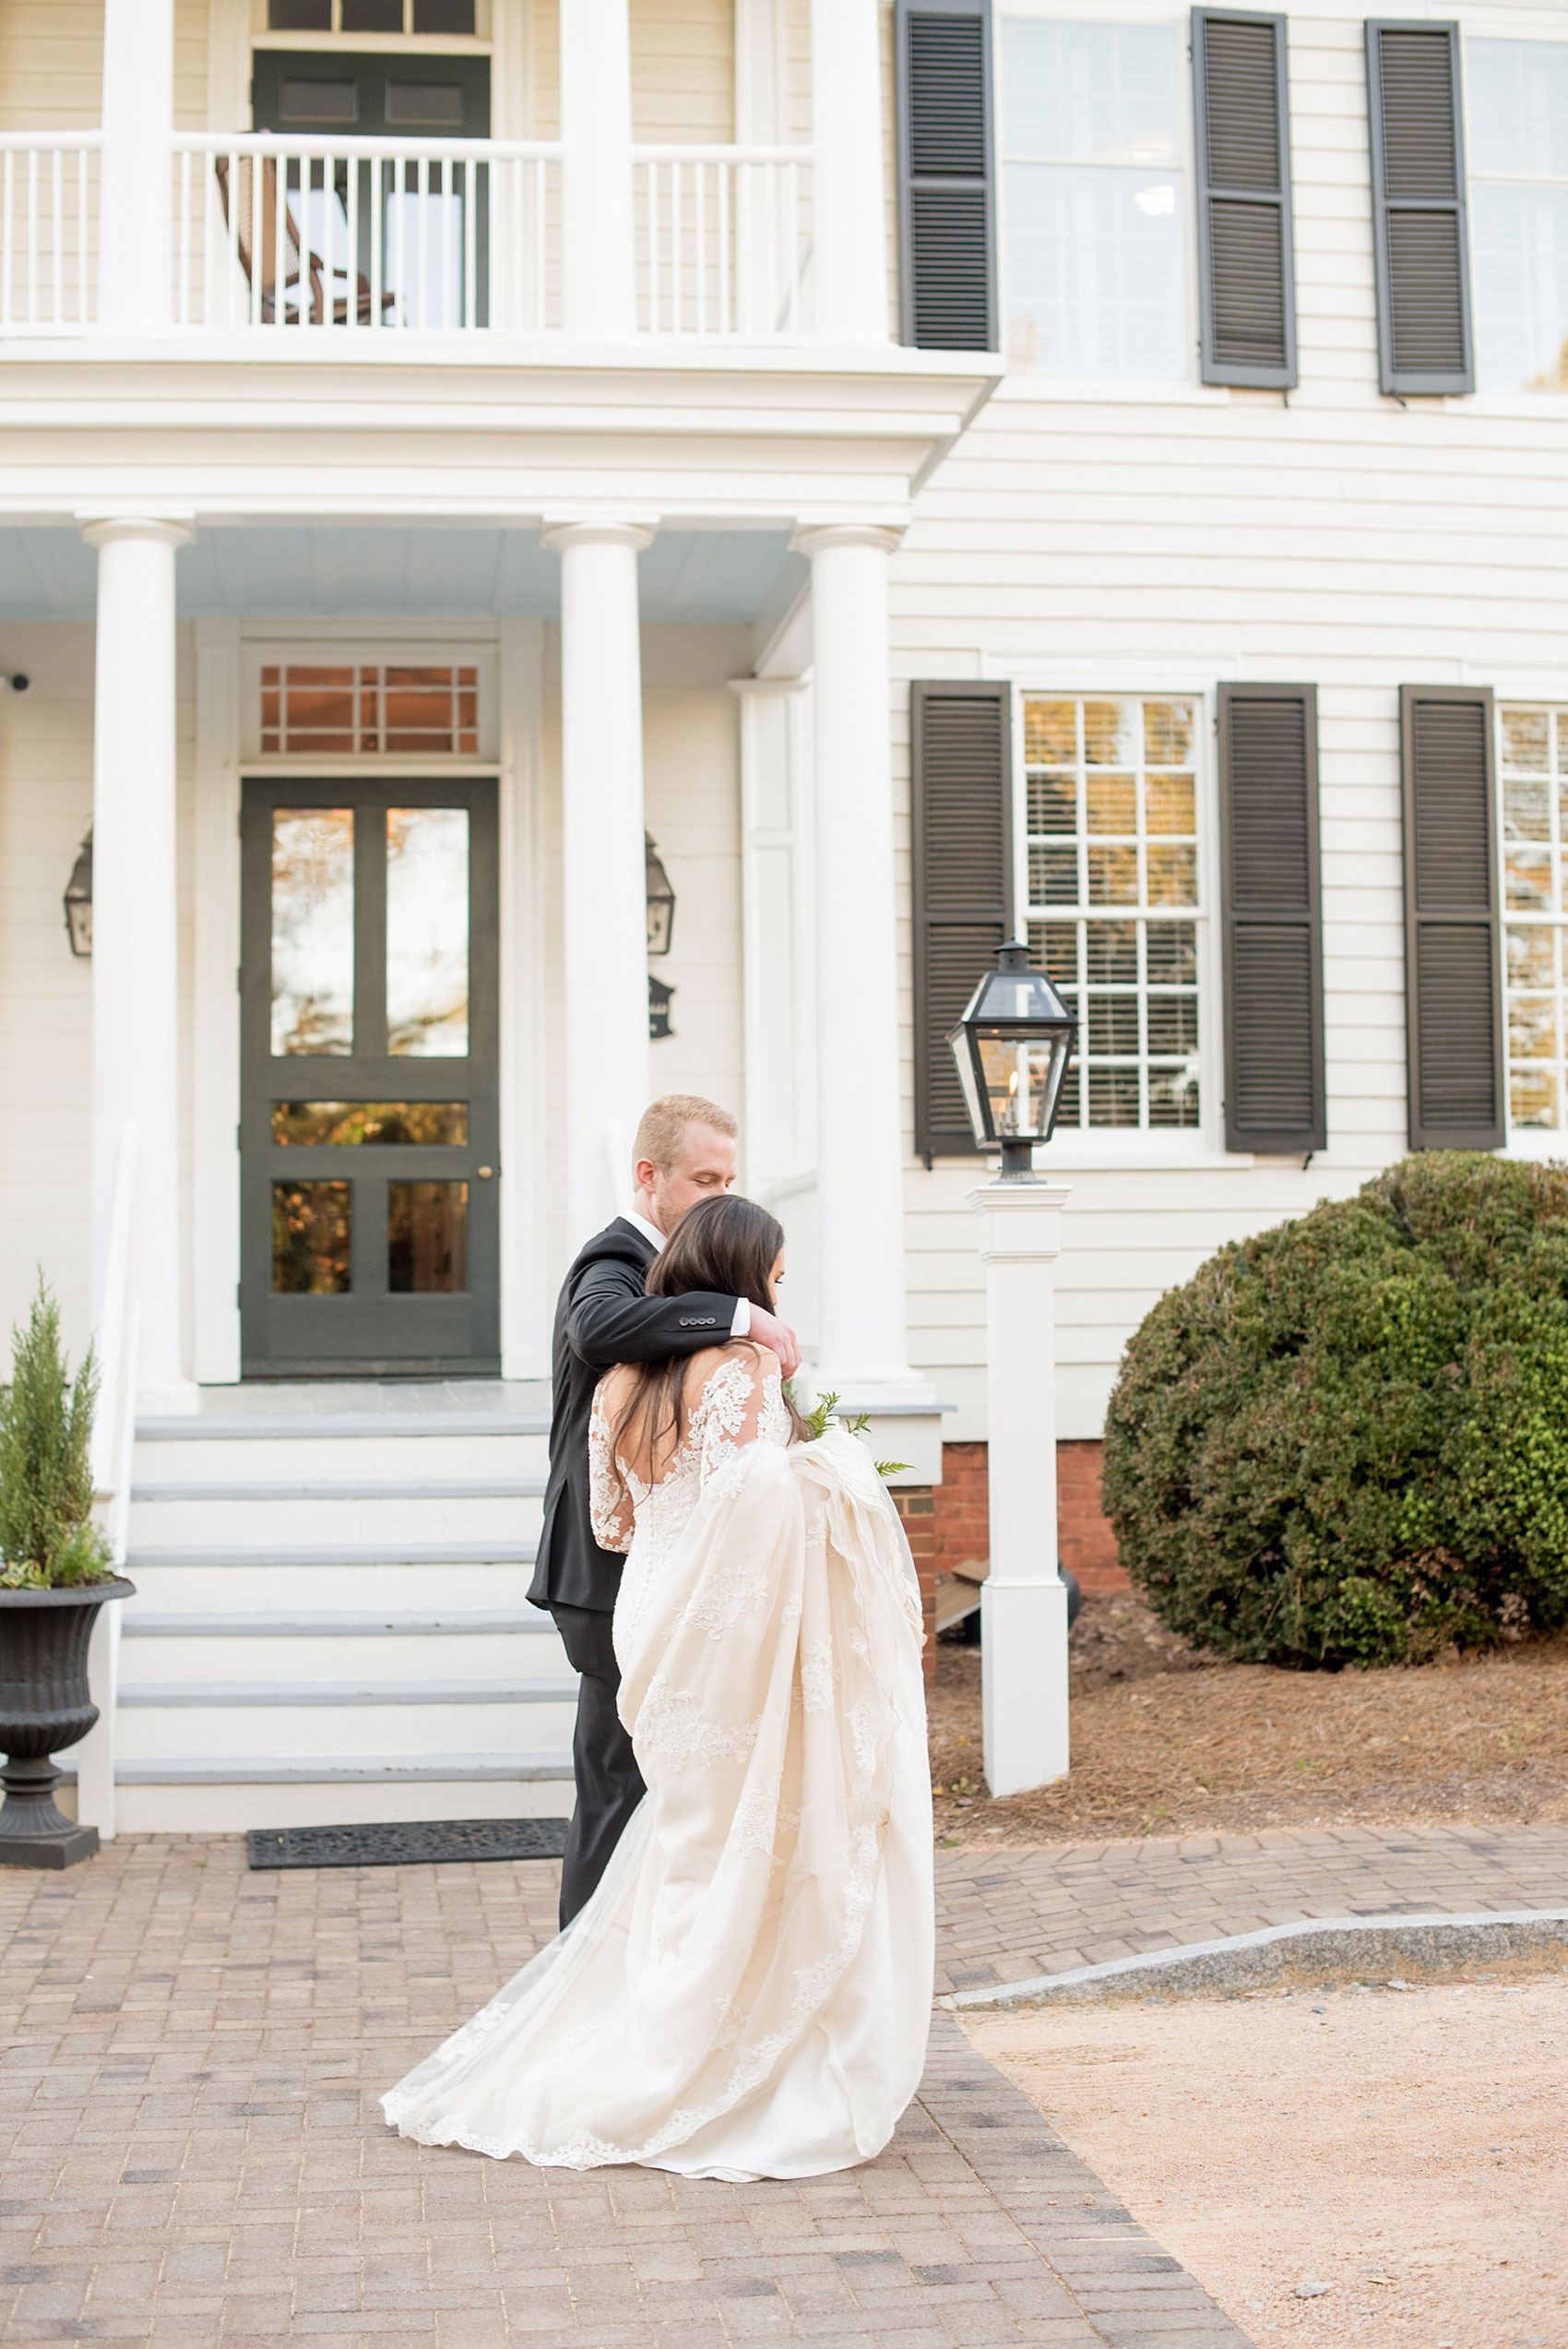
221,668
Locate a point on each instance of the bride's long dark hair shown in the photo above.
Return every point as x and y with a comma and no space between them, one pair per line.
727,1246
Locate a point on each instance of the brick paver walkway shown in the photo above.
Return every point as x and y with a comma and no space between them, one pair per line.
1004,1915
190,2056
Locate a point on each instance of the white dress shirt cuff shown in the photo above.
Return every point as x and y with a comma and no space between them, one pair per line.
741,1325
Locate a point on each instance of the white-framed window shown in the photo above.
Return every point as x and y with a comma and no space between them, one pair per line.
1114,902
1094,205
1533,770
1516,109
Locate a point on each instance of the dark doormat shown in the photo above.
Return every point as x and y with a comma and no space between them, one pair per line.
395,1842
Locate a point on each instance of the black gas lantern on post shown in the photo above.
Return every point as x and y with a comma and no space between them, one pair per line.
1012,1048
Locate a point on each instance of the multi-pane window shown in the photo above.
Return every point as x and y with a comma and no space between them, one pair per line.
347,709
1518,126
1094,208
1535,907
1113,903
371,15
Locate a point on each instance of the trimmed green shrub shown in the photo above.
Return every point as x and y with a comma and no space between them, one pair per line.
47,1537
1346,1441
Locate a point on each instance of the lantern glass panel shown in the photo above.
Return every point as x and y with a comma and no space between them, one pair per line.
1022,1077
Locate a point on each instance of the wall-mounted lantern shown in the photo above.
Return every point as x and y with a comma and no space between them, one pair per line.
661,901
78,900
659,996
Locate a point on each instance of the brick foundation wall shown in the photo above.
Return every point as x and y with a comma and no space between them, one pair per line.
916,1506
1085,1542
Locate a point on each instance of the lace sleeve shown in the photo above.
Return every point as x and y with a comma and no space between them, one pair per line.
610,1503
734,1409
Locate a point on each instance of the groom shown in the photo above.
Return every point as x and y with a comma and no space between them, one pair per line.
684,1152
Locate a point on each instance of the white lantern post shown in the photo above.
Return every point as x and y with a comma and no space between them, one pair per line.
1012,1048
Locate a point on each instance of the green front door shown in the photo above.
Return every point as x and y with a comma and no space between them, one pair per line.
368,1136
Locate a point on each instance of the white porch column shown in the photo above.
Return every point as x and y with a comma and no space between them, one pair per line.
135,936
1023,1599
604,873
862,1347
598,284
851,262
134,245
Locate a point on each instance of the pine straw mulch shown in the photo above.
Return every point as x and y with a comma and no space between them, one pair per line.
1167,1741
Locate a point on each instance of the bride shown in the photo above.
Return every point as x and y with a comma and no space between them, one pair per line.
747,1993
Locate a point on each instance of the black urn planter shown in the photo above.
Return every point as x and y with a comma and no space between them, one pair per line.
44,1706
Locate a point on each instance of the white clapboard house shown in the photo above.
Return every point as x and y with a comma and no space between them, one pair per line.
565,548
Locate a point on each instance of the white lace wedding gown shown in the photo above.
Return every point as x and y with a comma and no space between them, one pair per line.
748,1992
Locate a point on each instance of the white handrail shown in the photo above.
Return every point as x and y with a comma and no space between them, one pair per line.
16,142
117,1343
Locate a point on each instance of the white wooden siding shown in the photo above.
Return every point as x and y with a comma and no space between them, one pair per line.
1108,535
683,70
45,992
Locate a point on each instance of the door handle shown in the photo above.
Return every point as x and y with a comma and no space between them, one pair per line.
485,1173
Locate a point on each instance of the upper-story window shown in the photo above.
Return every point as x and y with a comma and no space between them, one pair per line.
1518,94
1094,210
1114,900
371,15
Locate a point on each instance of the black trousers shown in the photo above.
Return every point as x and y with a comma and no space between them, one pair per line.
609,1785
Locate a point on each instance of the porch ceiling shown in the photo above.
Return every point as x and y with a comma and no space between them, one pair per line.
395,572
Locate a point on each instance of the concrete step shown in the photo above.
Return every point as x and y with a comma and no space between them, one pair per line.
219,1801
309,1451
306,1690
229,1654
365,1623
326,1521
187,1583
281,1724
451,1488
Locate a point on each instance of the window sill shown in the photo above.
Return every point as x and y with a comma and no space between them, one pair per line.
1149,1156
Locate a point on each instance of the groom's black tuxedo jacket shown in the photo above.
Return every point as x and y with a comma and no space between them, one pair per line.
604,1318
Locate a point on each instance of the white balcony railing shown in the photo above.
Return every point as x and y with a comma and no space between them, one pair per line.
48,231
305,241
346,237
723,242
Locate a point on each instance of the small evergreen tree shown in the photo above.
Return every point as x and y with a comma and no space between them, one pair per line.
47,1537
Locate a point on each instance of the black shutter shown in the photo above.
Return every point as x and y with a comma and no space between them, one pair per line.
1452,970
961,755
946,201
1272,918
1421,242
1246,264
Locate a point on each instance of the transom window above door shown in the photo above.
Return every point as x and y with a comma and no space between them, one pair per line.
426,705
439,17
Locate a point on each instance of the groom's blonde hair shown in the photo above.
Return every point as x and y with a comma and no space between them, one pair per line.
662,1127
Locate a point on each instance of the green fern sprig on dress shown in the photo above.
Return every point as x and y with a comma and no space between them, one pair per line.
822,1416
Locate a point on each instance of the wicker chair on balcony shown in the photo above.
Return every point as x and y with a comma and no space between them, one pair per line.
301,268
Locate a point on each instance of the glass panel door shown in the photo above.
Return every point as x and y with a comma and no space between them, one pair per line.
370,1241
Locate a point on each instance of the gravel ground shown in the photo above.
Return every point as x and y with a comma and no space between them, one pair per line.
1169,1742
1406,2148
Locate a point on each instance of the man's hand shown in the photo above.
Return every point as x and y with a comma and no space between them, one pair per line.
768,1330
